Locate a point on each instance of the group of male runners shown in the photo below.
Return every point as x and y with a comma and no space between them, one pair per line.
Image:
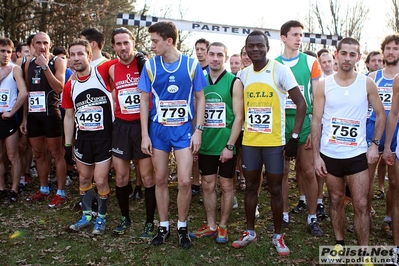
168,103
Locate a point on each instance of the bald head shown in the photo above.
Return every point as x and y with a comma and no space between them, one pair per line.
41,43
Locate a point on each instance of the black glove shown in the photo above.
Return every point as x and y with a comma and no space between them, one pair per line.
291,148
68,155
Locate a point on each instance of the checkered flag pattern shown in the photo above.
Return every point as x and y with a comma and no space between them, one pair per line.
321,38
146,21
135,20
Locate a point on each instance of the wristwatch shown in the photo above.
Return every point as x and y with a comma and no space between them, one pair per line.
230,147
200,127
295,136
44,67
376,142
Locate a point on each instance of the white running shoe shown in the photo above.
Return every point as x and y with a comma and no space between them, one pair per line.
281,248
244,240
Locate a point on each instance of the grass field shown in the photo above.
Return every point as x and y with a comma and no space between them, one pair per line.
33,234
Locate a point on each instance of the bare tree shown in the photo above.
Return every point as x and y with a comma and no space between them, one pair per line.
183,35
61,19
309,25
393,16
142,36
342,20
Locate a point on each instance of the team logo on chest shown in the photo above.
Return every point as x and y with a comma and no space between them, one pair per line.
91,101
130,81
172,88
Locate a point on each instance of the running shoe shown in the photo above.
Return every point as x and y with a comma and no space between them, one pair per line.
38,196
122,226
57,201
21,188
299,207
13,196
203,231
394,258
367,261
244,240
242,183
68,180
137,193
387,229
28,179
350,228
33,171
372,212
321,212
82,223
379,194
314,228
257,214
222,236
335,258
161,236
235,203
148,231
195,190
99,226
281,248
270,227
184,238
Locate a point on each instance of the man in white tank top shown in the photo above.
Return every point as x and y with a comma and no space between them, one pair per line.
13,94
339,139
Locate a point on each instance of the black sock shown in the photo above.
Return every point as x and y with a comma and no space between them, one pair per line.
102,204
340,242
150,203
195,187
86,198
122,195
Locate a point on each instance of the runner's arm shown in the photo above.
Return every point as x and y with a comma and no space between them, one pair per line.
69,125
375,101
22,91
146,145
318,110
300,103
392,122
57,79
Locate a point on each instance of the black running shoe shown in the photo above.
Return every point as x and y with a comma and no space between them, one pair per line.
195,190
21,188
137,193
314,228
161,236
300,207
321,212
13,196
184,238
